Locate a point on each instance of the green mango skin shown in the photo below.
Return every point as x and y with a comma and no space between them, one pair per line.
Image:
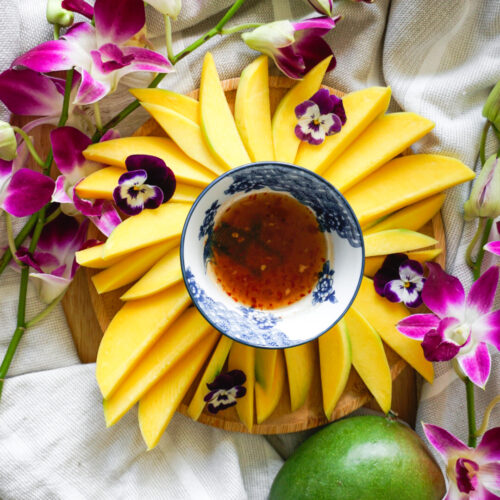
361,458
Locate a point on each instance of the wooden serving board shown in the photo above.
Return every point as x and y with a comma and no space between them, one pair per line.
88,314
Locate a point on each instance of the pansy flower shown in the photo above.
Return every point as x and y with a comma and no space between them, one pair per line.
224,390
147,184
321,115
400,280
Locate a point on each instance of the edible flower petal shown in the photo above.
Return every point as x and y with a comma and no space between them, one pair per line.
170,8
56,14
324,7
8,142
80,7
224,390
494,246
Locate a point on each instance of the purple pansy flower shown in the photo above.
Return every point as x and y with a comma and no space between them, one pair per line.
224,390
473,473
147,184
494,246
321,115
400,280
459,326
295,47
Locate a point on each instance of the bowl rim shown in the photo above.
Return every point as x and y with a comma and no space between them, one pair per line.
303,171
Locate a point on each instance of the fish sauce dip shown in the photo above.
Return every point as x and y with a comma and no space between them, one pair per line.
268,250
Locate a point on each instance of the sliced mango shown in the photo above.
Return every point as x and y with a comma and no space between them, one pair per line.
184,193
183,335
213,369
266,400
158,406
369,359
385,138
384,316
335,363
217,122
286,143
404,181
361,107
300,362
242,357
132,331
100,184
92,257
394,241
116,151
252,111
265,359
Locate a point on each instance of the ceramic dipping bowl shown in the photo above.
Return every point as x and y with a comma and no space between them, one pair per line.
338,281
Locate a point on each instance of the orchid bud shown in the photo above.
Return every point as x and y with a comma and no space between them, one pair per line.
270,37
57,15
324,7
484,200
170,8
8,143
491,109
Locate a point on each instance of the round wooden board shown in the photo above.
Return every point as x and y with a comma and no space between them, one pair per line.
86,311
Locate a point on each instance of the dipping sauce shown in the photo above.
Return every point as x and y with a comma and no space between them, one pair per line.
267,250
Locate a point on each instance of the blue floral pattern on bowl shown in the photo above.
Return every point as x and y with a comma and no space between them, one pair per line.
323,291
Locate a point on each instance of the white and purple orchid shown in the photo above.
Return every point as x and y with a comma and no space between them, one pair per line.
295,47
170,8
79,7
321,115
494,246
147,184
324,7
8,142
225,390
460,326
473,473
100,53
56,14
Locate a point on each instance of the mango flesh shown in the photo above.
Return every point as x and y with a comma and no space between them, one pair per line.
267,399
300,363
394,241
368,457
265,359
92,257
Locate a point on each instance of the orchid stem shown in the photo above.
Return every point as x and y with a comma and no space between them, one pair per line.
29,145
482,144
45,311
53,215
57,31
67,93
168,38
10,238
97,116
480,253
239,27
486,418
471,414
468,254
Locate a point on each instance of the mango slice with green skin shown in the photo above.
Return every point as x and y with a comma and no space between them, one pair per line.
265,359
147,228
182,336
300,363
92,257
158,406
361,107
394,241
266,400
116,151
384,316
404,181
369,359
133,331
252,111
242,357
335,363
217,122
214,367
286,143
385,138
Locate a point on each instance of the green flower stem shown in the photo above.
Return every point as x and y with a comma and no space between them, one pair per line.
240,27
471,415
168,38
480,253
57,31
67,94
97,116
29,145
42,314
486,418
53,215
468,254
482,144
10,238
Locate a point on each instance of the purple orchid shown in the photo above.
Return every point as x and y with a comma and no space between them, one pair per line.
494,246
321,115
400,280
147,184
100,54
324,7
459,326
295,47
224,390
80,7
473,473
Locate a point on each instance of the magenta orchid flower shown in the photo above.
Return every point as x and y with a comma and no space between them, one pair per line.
79,7
494,246
321,115
100,54
459,326
473,473
295,47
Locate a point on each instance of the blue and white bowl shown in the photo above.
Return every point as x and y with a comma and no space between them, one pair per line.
337,284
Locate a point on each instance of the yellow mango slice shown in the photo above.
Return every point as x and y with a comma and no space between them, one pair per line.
131,267
300,362
242,357
92,257
265,360
404,181
180,103
385,138
132,331
373,264
100,184
217,122
413,217
384,316
116,151
361,107
214,367
184,193
164,273
147,228
252,111
182,336
158,406
335,364
394,241
266,400
286,143
369,359
186,134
